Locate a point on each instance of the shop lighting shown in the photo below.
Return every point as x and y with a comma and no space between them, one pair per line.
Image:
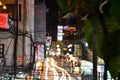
48,48
69,49
58,46
67,54
0,3
86,44
4,7
70,45
58,49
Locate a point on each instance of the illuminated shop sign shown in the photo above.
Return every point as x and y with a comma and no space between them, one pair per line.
59,33
3,20
40,52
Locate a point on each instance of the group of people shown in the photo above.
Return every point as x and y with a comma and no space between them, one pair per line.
71,64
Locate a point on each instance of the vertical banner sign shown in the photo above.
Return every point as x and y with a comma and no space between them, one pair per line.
4,20
39,52
59,33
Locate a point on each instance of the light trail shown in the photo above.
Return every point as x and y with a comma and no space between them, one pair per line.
56,76
51,65
63,72
46,71
63,77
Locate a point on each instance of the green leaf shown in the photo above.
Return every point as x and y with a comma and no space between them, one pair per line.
88,32
63,5
114,66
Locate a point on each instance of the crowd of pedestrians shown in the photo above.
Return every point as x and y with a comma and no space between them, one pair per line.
67,63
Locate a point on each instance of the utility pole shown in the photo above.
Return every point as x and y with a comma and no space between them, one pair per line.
95,52
16,38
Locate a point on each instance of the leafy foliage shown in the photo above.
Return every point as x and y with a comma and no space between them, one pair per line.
109,52
88,35
64,6
114,66
114,63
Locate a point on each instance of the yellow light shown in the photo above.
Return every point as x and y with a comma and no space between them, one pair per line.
0,3
4,7
77,69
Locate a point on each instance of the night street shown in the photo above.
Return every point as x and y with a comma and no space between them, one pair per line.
59,39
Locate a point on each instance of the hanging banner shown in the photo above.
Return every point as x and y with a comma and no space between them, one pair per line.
4,20
40,52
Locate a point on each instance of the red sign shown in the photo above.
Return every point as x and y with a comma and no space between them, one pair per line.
4,20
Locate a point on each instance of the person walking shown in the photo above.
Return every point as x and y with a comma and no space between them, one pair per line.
71,67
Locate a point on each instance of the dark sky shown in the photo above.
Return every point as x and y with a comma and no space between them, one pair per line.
52,18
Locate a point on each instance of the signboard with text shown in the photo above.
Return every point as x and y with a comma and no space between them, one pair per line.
39,52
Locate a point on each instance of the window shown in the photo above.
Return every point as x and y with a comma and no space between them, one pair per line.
1,50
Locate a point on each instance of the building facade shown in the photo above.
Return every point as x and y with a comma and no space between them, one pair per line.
29,18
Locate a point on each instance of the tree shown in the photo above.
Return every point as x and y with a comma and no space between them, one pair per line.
108,52
106,14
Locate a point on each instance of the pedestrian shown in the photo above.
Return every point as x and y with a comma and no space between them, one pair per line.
76,64
71,67
83,75
79,64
